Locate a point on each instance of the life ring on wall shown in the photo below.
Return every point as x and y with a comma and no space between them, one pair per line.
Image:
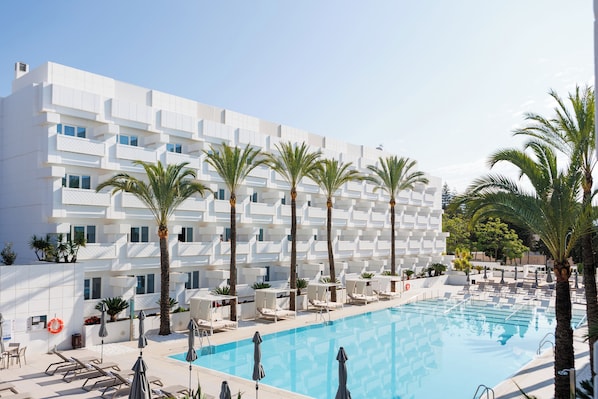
407,286
55,326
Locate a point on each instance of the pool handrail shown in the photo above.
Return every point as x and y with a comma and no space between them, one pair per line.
485,390
458,304
545,340
516,311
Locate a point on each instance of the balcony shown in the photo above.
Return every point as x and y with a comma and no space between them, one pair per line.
184,249
132,153
258,208
143,249
76,196
268,247
360,215
97,251
80,145
346,245
383,245
173,158
316,213
364,245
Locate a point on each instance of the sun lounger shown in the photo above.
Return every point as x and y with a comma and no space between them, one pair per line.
317,297
24,395
86,370
7,386
356,291
172,391
267,307
67,363
122,384
209,317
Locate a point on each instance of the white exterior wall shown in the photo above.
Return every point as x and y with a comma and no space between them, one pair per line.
34,158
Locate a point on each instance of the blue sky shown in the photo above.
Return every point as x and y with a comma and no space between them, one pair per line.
441,82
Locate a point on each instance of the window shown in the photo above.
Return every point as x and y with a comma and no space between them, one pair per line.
70,130
77,181
260,235
227,234
140,234
192,280
308,203
92,288
126,139
172,147
145,284
186,235
290,237
220,194
283,200
267,276
315,237
254,197
89,232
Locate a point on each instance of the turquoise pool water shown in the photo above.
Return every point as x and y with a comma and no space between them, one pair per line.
419,351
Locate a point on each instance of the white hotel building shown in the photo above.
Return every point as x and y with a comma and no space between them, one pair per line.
64,130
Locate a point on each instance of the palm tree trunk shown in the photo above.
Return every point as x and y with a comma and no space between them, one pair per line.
164,281
393,268
589,280
293,276
330,252
563,351
233,256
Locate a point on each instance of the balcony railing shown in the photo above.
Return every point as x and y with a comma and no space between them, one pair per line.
143,249
135,153
193,248
76,196
267,247
80,145
97,251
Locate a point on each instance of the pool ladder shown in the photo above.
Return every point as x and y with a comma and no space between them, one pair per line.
544,341
203,334
484,390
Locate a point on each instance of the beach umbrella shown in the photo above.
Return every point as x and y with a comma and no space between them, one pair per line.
548,275
224,391
536,278
502,276
191,354
103,330
342,392
576,286
140,388
515,272
258,370
485,275
142,342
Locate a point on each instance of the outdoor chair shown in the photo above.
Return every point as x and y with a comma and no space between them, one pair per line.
67,363
18,355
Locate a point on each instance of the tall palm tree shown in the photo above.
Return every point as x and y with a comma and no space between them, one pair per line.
294,162
393,176
164,190
331,176
552,210
233,165
572,131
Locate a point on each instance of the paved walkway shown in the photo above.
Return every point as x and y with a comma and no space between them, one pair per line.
536,378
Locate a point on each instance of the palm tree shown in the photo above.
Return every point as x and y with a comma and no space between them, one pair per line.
573,133
233,165
393,176
294,162
165,189
331,176
551,210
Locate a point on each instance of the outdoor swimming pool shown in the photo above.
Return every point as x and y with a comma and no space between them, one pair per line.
419,350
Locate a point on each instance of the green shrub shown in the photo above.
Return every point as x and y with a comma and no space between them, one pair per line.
7,254
221,290
301,284
258,286
114,306
367,275
171,303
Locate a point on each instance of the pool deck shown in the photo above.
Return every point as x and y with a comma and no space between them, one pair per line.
536,378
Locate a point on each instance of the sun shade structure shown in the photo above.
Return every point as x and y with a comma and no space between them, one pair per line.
140,388
224,391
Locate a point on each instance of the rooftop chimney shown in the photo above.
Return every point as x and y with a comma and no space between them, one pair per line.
21,69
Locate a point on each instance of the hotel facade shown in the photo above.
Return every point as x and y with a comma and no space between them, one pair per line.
64,130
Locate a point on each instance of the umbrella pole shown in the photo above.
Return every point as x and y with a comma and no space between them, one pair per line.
102,352
256,388
190,379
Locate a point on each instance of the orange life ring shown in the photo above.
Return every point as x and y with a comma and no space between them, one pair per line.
407,286
55,326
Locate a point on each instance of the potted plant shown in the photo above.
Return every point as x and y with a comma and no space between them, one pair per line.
408,273
367,275
261,285
301,284
114,306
